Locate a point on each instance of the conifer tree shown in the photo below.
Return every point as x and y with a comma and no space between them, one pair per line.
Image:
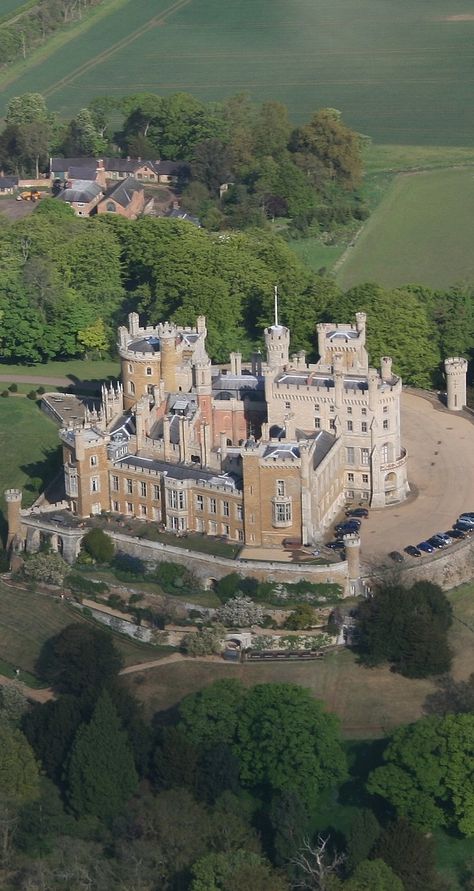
101,775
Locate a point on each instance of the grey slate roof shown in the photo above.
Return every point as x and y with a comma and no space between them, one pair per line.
82,192
123,192
8,182
88,173
181,471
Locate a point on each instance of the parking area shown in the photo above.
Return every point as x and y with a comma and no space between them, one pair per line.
440,446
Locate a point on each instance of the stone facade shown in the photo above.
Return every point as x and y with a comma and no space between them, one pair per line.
260,453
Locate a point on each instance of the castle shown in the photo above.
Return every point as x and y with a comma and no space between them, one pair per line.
258,453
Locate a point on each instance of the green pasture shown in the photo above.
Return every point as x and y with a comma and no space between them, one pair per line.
72,370
400,73
11,7
422,232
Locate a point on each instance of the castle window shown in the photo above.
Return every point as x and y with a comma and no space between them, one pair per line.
199,502
365,477
239,511
332,409
199,525
385,449
316,408
93,460
350,477
129,486
212,527
280,487
364,412
176,499
350,426
156,493
350,494
115,506
385,409
317,423
143,490
240,534
225,529
287,404
149,389
95,485
350,455
385,425
131,388
115,483
129,507
349,410
130,368
332,424
225,509
149,371
364,426
212,506
143,510
282,513
364,456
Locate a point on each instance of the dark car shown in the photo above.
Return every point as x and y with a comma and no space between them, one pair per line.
396,556
412,551
426,547
436,542
357,512
350,525
463,527
337,545
456,533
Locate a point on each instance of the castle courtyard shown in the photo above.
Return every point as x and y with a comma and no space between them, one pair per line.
440,447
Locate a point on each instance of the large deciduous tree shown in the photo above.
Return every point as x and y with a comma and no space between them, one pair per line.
286,741
210,717
427,776
79,660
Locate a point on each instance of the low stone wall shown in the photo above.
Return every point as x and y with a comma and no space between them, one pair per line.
209,568
447,568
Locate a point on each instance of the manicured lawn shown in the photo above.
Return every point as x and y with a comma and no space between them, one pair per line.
422,232
27,620
29,449
399,74
73,369
369,702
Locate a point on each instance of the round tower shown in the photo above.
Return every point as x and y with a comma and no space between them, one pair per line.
277,342
352,546
456,372
170,357
13,499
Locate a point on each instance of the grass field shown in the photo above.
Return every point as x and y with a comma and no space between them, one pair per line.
29,449
74,369
400,74
422,232
369,702
27,620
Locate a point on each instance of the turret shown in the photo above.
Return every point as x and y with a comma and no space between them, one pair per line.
352,548
13,499
386,368
456,372
277,342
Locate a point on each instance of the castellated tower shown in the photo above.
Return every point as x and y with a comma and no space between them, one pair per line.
277,342
456,371
13,499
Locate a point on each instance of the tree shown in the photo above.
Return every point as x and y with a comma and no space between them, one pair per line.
289,819
407,627
13,704
240,612
26,109
99,545
19,774
205,642
46,567
363,833
210,717
334,144
316,864
237,871
79,660
101,775
218,772
211,164
286,741
301,617
410,854
50,730
427,773
82,137
175,760
94,337
374,875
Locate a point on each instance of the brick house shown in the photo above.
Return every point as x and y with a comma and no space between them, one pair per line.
127,199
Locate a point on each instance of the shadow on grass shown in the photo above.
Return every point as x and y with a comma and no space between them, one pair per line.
89,387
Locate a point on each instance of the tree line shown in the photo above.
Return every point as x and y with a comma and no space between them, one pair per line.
66,283
35,24
308,174
226,791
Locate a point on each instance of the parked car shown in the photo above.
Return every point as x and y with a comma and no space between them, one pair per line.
396,556
445,537
436,542
426,547
412,551
466,518
464,527
457,533
337,545
350,525
357,512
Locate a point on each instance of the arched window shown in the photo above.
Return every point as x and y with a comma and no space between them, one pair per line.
131,388
111,207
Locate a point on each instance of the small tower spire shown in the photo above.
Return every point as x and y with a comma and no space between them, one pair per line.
276,306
